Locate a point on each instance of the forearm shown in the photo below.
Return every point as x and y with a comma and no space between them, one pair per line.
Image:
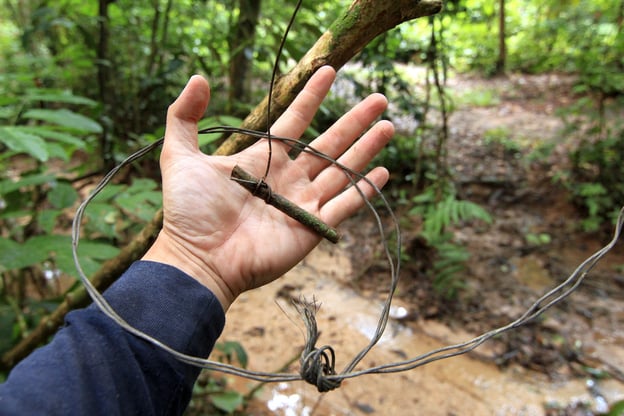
93,366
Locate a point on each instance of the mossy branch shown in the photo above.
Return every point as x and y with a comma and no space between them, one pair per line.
359,24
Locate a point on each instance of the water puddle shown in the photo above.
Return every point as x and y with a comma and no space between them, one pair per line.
282,402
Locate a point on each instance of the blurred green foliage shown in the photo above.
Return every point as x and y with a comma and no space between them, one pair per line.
595,177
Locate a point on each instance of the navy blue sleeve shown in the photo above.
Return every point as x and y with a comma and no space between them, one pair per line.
93,366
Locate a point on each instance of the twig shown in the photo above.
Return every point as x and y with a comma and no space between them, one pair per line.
262,190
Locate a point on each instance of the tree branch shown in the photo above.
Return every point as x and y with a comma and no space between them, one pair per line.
348,35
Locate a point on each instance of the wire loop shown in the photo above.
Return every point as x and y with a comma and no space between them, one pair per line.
317,365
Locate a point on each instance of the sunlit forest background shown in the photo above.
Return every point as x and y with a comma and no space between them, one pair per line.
84,84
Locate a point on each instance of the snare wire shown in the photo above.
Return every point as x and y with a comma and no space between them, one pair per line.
549,299
318,362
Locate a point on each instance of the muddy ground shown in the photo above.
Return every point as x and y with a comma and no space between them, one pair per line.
568,362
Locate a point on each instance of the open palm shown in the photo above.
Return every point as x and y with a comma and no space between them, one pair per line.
231,241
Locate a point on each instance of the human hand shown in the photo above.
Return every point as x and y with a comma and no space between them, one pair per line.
227,239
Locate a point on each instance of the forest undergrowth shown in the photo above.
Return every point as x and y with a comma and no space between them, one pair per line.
535,240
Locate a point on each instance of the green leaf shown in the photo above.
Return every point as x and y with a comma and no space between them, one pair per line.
8,185
65,118
22,142
67,265
91,255
97,250
15,256
47,219
617,409
142,184
221,120
231,348
59,248
448,272
6,100
55,150
424,198
62,195
8,249
205,139
591,189
227,401
58,136
7,112
108,193
143,204
10,213
102,218
134,201
57,96
44,247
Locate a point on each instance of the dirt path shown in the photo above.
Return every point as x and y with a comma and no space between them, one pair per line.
541,369
465,385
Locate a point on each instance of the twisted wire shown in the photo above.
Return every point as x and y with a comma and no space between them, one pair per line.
318,358
318,364
280,49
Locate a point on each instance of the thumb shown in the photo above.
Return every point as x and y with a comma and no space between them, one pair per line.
183,115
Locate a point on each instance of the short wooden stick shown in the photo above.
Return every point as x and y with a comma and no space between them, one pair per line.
262,190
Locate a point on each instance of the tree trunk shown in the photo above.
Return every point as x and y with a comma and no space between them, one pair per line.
358,25
241,42
151,61
104,84
502,48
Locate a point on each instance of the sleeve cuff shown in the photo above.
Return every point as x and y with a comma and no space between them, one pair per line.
169,305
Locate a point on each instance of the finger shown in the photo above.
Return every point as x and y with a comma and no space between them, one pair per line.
348,202
343,133
299,114
332,179
184,114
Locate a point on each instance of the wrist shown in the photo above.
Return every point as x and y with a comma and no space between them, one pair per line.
167,251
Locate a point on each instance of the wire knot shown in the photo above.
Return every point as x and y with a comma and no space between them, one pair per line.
263,191
317,365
